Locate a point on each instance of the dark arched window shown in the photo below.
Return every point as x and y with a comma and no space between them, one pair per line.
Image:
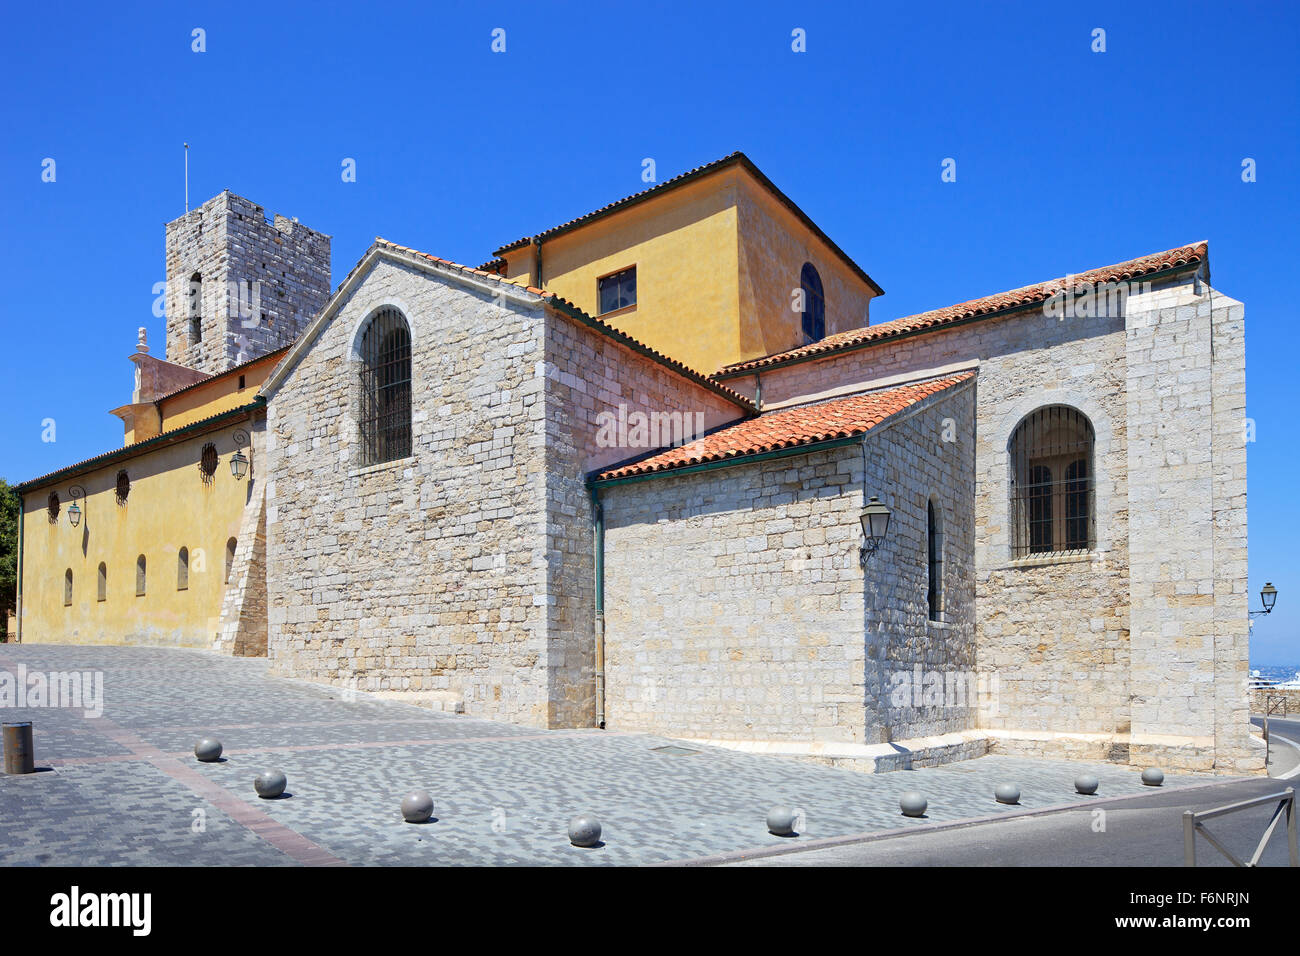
195,307
814,304
183,569
385,417
101,592
934,547
230,558
139,576
52,506
123,486
67,588
1052,482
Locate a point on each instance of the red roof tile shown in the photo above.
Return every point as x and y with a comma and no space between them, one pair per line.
792,427
1028,295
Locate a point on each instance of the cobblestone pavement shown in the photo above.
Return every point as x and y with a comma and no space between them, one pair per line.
124,788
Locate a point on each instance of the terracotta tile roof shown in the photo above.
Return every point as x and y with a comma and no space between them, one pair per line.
732,159
135,448
593,322
792,427
1028,295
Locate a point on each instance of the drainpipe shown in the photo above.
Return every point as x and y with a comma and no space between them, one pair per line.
599,547
18,599
758,391
537,263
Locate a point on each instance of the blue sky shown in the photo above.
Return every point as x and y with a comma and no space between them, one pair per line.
1066,160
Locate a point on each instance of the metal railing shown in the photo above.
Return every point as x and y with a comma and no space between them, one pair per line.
1193,823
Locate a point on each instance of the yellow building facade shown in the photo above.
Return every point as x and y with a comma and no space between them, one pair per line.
718,254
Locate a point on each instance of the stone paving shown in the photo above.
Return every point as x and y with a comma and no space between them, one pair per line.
124,788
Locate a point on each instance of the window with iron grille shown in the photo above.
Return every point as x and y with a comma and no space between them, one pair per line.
386,388
814,304
52,506
123,486
617,291
208,462
1052,497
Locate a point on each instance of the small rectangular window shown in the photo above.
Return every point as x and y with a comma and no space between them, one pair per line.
617,291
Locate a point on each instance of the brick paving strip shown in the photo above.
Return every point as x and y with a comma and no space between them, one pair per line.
287,841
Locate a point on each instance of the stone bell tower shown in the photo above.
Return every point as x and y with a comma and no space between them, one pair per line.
240,284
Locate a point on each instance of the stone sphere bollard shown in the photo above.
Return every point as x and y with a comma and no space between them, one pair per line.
270,784
1086,784
417,806
1153,777
912,804
584,830
1007,793
208,750
780,821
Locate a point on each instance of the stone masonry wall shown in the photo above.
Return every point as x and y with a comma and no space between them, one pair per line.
1055,631
736,607
228,239
588,377
429,573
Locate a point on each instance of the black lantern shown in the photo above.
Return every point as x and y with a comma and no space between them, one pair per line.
1269,596
875,523
238,465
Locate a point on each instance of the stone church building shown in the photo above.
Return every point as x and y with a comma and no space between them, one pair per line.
633,472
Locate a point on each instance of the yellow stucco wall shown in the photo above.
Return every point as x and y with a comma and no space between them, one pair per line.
169,507
219,394
774,245
716,261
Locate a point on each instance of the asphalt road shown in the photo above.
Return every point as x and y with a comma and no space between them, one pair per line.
1137,831
1284,755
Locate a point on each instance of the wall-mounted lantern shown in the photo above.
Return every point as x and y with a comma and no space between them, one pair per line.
875,523
1268,597
238,463
74,513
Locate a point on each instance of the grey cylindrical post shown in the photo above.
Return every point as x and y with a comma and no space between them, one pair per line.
19,756
1189,838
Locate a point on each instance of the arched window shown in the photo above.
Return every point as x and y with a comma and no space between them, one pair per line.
195,307
814,304
1052,482
123,487
183,569
67,588
385,417
52,506
230,558
934,547
139,576
102,586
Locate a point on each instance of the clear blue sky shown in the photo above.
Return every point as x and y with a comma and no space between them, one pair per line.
1066,160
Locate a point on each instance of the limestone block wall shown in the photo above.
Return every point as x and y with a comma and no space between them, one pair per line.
588,377
1053,634
242,629
1187,501
428,573
1070,646
228,239
736,607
